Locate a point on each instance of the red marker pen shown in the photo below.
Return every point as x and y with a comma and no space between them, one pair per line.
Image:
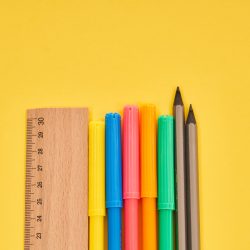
131,175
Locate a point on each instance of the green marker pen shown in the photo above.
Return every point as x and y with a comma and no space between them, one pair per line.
166,182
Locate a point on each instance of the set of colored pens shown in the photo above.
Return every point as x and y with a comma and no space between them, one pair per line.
131,164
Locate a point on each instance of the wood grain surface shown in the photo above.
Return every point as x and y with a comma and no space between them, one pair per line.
59,192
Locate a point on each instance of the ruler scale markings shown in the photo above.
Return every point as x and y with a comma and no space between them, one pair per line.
30,175
56,180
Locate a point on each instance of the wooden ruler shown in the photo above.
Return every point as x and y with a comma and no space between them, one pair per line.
56,204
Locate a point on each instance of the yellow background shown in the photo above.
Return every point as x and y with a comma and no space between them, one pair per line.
109,53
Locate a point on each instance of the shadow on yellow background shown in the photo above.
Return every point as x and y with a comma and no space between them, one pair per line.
106,54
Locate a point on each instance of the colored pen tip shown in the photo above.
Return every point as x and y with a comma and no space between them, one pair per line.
178,98
191,117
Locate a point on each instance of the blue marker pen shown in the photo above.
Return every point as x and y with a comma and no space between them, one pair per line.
113,179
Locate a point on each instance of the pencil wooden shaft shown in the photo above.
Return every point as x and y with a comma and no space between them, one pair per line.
192,187
180,177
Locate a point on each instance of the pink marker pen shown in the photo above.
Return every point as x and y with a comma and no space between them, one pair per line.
131,175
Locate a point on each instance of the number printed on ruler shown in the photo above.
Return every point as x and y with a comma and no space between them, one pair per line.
34,182
56,176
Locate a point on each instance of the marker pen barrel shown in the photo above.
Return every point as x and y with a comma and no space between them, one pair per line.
149,223
166,182
96,232
148,176
113,179
96,185
131,175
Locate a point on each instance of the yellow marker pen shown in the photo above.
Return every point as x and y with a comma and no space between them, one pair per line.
96,185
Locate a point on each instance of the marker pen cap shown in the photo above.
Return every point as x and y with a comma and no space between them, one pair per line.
166,179
131,171
113,160
96,168
148,136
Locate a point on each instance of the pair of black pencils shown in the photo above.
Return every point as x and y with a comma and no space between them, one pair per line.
186,176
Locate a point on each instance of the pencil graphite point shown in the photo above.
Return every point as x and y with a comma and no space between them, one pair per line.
191,117
178,98
191,107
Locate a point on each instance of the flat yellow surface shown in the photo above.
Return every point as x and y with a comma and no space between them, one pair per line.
106,54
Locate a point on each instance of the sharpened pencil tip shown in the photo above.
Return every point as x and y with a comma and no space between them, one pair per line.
191,108
191,117
178,98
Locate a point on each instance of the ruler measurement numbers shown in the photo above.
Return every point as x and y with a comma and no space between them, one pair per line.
34,181
56,201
